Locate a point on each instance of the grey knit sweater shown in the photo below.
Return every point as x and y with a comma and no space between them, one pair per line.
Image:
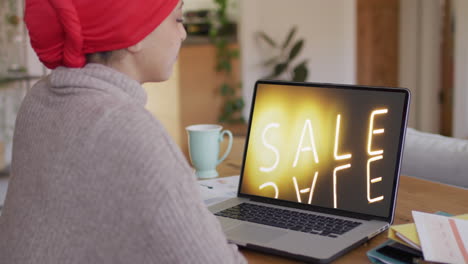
96,179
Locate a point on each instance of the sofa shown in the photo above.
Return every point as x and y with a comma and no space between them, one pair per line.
436,158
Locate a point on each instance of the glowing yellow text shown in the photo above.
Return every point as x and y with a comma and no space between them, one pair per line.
374,154
337,138
300,148
373,131
338,157
272,148
271,184
306,190
342,157
343,167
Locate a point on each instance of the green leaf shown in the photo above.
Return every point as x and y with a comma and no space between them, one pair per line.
228,108
224,116
227,66
234,54
238,104
267,39
226,89
296,49
271,61
222,3
221,44
279,69
223,20
213,33
300,72
291,34
224,65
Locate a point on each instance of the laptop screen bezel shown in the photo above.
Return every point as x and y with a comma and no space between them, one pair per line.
391,213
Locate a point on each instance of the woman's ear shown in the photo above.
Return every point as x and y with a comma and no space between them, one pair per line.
135,48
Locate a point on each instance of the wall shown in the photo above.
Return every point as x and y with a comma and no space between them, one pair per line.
163,103
328,28
460,111
198,4
233,8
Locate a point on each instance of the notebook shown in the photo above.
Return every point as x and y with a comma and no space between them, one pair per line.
320,169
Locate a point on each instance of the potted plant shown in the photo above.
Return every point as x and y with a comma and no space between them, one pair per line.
222,31
282,63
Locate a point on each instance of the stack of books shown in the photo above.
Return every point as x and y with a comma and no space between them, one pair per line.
404,244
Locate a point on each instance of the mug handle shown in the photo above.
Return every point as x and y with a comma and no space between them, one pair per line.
228,150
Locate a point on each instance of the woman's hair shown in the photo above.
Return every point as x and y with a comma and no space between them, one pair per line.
104,57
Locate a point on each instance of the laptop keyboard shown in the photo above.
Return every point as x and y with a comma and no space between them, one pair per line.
287,219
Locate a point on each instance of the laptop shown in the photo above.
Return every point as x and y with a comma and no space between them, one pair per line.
320,169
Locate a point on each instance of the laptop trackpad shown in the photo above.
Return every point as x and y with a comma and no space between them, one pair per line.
254,233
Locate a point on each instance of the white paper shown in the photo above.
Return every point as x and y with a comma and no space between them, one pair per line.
443,239
216,190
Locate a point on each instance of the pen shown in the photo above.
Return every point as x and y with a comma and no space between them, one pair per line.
207,186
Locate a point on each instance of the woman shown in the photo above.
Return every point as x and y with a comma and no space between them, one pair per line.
95,178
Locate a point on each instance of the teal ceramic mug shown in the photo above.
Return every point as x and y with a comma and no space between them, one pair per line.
204,141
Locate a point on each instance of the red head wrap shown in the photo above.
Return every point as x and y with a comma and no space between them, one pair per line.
63,31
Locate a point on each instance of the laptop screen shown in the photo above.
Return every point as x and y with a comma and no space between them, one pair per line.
326,145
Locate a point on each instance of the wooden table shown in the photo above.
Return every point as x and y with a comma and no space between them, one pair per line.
413,194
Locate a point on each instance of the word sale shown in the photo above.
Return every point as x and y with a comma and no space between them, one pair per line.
344,158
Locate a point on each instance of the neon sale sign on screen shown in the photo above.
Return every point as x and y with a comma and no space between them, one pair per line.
335,148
